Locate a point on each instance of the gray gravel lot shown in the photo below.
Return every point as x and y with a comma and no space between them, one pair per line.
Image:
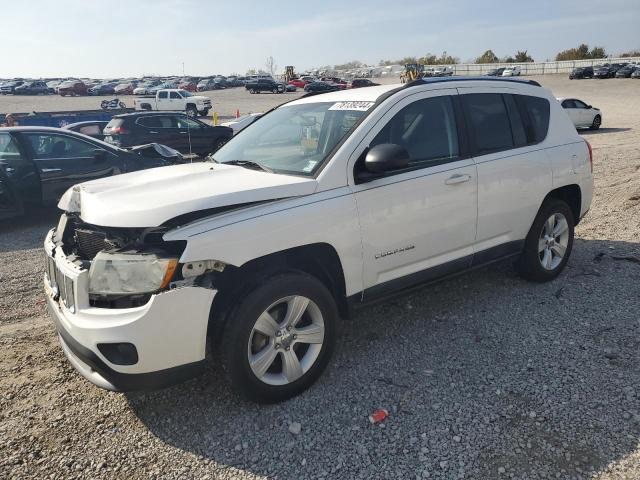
485,376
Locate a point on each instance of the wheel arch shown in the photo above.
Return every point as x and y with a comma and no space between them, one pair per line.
571,195
319,260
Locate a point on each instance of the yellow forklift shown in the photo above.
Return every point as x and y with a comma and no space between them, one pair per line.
412,71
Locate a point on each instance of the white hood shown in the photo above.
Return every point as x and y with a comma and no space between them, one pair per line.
151,197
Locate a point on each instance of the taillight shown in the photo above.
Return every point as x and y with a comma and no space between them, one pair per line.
118,131
590,155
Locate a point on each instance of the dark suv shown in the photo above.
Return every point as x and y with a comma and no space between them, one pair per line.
581,72
36,87
175,130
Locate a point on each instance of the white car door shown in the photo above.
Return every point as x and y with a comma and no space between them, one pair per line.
585,114
574,113
418,223
514,173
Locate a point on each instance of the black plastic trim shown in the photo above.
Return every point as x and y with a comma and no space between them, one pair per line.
393,288
430,80
127,382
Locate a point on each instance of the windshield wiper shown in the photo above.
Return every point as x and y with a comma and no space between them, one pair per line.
249,164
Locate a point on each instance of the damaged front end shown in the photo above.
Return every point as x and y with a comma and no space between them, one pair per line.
126,265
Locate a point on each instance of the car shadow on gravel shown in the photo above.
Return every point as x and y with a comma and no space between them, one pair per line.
604,130
27,232
484,375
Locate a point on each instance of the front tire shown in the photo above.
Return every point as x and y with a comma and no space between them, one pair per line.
597,121
279,337
192,112
549,242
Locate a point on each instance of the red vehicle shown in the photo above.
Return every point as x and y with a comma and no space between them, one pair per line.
73,88
125,88
298,83
189,86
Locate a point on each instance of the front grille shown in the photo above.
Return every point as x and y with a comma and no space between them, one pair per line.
90,242
62,285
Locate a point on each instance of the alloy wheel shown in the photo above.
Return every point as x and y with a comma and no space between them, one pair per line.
286,340
553,241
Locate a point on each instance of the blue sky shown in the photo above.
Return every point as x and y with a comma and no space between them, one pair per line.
120,38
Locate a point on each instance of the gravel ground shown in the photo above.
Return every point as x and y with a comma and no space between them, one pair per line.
485,376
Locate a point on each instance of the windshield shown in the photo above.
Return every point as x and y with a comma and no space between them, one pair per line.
294,139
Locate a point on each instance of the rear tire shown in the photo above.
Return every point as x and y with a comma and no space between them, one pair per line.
549,242
279,363
597,121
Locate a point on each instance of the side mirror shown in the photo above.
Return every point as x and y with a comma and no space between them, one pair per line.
386,157
589,107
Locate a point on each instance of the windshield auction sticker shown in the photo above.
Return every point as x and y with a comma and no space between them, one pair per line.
357,106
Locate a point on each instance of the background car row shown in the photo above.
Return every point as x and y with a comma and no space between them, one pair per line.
614,70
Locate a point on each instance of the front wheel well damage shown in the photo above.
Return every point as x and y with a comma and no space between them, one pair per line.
319,260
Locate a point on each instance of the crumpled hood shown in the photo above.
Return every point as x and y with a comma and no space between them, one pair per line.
149,198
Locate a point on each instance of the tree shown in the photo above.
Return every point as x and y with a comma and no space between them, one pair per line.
522,57
488,57
271,66
632,53
582,52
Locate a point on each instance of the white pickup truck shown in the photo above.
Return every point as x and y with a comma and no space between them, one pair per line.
175,100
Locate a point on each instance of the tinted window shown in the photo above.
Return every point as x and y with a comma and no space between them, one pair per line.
580,104
8,147
184,122
156,121
517,124
163,95
58,146
174,95
426,128
535,112
568,104
489,124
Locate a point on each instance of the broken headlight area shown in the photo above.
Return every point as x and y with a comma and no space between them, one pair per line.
126,265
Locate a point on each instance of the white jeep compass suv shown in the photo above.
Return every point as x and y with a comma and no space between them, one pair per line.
325,203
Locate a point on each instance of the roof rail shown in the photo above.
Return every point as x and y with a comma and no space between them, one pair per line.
430,80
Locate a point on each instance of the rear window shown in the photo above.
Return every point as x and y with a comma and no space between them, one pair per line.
535,113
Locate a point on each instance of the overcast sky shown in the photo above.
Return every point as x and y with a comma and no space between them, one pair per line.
121,38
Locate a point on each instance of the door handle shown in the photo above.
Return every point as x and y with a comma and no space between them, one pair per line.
152,132
457,178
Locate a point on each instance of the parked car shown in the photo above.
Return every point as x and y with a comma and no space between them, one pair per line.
206,84
581,114
361,82
324,204
321,87
53,86
444,71
35,87
636,73
188,85
264,85
8,88
220,82
125,88
581,72
234,81
603,71
93,128
341,84
176,130
72,88
242,122
163,86
495,72
39,164
102,89
297,82
513,71
144,87
626,71
175,100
